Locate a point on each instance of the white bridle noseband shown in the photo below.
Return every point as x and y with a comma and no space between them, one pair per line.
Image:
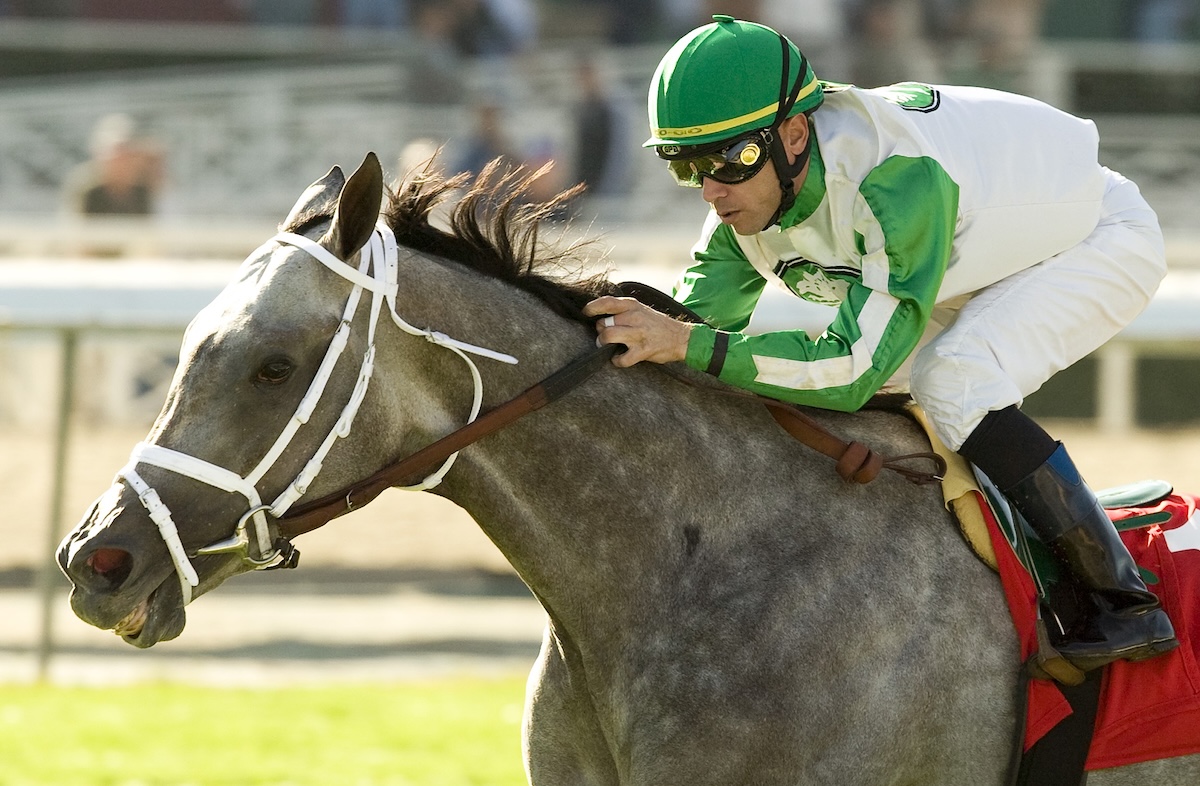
378,273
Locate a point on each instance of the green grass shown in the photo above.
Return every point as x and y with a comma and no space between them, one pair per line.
441,733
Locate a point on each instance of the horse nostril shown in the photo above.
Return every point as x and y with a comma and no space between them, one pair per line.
114,565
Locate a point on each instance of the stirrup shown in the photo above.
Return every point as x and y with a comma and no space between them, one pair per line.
1047,663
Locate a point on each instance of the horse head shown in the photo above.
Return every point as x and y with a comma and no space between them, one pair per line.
241,436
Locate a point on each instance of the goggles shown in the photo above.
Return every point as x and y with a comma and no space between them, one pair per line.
735,163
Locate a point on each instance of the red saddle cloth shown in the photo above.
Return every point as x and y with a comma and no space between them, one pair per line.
1148,710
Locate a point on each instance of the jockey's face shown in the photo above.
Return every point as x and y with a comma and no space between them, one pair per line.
746,206
749,205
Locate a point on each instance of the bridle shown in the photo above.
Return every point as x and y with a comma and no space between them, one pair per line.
377,273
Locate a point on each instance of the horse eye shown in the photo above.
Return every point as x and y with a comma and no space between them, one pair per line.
274,371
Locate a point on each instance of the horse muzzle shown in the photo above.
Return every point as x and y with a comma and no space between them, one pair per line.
118,586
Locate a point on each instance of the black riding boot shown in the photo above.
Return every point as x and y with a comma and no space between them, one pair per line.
1128,622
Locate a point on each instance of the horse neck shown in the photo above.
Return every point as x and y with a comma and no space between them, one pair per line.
542,488
602,499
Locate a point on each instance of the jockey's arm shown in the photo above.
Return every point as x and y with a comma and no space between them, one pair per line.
905,232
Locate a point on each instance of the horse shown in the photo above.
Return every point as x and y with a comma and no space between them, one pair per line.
721,607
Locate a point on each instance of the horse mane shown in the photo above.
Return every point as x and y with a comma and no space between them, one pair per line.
494,230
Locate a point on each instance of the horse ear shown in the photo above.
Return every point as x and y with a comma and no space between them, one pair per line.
357,209
317,198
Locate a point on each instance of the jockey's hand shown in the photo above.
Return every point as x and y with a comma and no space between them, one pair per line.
648,334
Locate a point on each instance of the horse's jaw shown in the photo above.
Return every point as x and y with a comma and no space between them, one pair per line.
160,617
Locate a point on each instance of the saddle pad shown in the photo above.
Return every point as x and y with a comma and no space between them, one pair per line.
1148,710
960,491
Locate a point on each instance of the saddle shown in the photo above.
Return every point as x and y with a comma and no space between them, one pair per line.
1128,712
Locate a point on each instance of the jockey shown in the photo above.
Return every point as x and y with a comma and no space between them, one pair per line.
966,245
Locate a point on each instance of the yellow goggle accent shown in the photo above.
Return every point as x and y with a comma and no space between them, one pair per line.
737,163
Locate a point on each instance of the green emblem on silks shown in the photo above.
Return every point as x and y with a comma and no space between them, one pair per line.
911,95
810,282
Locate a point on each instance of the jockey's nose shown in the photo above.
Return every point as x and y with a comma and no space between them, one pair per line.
711,190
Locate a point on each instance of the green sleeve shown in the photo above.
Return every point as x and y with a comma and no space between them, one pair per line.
720,285
904,236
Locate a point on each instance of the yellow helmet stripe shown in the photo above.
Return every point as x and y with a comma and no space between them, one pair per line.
725,125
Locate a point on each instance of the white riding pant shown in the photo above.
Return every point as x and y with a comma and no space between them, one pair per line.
1012,336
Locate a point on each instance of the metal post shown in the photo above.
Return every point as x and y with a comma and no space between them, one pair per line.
1116,396
48,576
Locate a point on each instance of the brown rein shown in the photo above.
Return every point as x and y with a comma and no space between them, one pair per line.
311,515
855,462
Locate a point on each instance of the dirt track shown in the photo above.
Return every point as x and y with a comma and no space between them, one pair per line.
420,530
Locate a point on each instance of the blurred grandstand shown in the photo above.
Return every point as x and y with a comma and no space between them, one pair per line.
252,99
238,104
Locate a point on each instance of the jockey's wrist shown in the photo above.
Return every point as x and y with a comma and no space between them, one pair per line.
702,342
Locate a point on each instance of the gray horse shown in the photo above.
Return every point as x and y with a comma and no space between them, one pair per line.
722,608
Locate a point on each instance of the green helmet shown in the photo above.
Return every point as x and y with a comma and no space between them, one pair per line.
725,79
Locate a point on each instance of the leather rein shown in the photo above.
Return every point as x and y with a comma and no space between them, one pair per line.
855,462
311,515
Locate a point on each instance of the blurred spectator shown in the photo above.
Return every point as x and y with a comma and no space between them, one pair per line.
1161,21
436,76
488,141
124,175
378,14
1013,24
417,156
600,149
491,28
890,44
551,182
519,20
1001,38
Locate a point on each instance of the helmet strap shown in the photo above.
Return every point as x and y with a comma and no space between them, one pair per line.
785,170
